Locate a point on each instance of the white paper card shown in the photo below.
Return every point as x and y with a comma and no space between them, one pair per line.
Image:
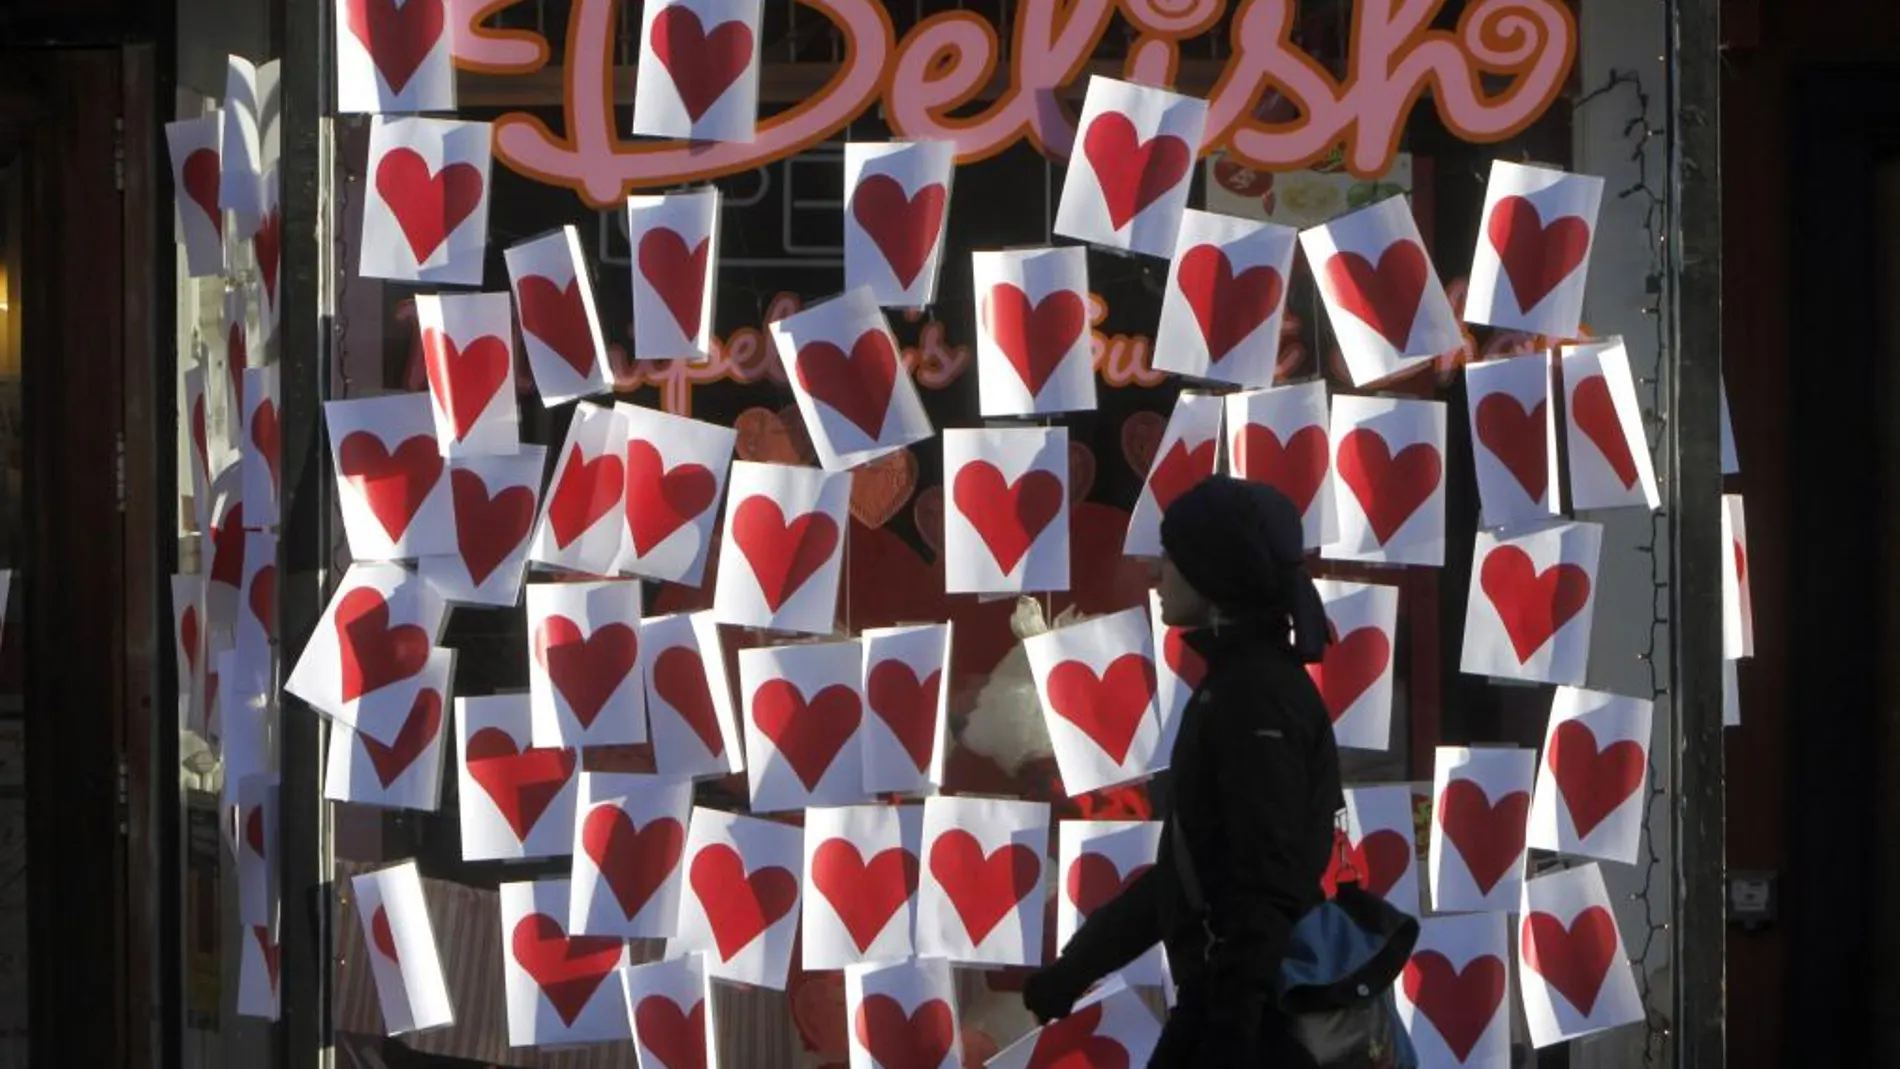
406,771
741,901
907,696
468,354
1594,777
702,64
1098,861
515,801
1389,480
783,548
391,479
1610,464
1187,454
1451,993
560,327
560,985
1032,343
494,501
394,56
849,380
401,948
1532,599
861,884
1096,682
675,241
671,1006
1533,257
1481,808
629,839
1573,971
1133,163
1383,297
1355,676
378,630
980,900
1514,430
584,676
425,218
1006,527
690,719
1279,436
580,525
803,713
675,476
1225,299
897,204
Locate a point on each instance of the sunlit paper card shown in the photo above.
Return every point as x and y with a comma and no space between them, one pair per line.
689,702
1225,296
468,353
400,942
560,328
700,64
1032,342
1096,682
1451,994
1128,177
1532,599
629,839
580,525
426,216
675,474
255,622
1115,1028
1533,256
267,247
980,899
897,204
1731,696
377,631
1355,675
849,380
584,664
907,694
1279,437
1097,860
259,965
803,713
1514,427
1592,782
675,241
246,727
1572,968
391,479
260,450
860,884
560,985
224,552
1187,454
197,169
189,643
200,452
1006,530
1738,606
494,500
671,1006
1179,669
516,802
253,108
1381,844
1610,464
741,901
1389,480
783,548
1384,299
1481,808
903,1015
406,771
1731,464
257,862
394,56
239,348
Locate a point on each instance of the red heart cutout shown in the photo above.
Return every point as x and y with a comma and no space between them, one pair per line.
464,381
254,831
1009,517
267,243
200,177
1071,1043
783,555
918,1040
676,273
1385,297
522,783
1297,469
557,317
588,490
1094,881
635,862
236,358
1518,439
1035,340
1536,257
1350,667
1574,959
418,732
1460,1003
1389,489
1132,173
982,889
1227,306
1180,470
428,206
1595,415
263,599
1384,856
1107,708
1489,836
198,432
227,548
703,65
865,896
660,500
488,529
679,678
677,1039
808,735
859,386
273,954
1593,783
264,436
382,937
907,705
1533,605
373,654
904,228
398,39
586,670
1183,660
568,969
740,906
188,636
394,484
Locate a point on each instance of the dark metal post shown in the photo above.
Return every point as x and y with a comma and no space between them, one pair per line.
1695,489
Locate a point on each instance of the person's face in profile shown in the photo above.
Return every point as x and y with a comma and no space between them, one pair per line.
1181,604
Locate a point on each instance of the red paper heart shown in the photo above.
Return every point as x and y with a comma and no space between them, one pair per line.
859,386
1536,257
920,1039
1574,959
1741,566
677,1039
1593,783
588,490
635,862
522,783
1180,470
188,636
703,65
417,734
1389,489
808,735
1094,881
394,484
198,432
1009,517
227,548
464,381
1035,340
740,906
1108,708
676,273
558,318
263,599
382,937
1350,667
398,39
1183,660
865,896
661,500
1488,835
1141,439
254,831
1227,306
880,487
1071,1043
982,889
428,206
679,678
267,243
1386,297
1532,605
236,358
1460,1003
783,555
273,954
568,969
1518,439
1297,469
904,228
264,437
1595,415
488,529
201,174
1132,173
1383,858
907,705
373,654
586,670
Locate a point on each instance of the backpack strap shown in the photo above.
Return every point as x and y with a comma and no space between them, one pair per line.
1191,883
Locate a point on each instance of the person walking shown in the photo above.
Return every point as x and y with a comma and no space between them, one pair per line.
1251,796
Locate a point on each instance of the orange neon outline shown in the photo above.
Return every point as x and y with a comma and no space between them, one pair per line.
472,29
956,55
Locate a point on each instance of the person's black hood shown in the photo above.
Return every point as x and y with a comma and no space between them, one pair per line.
1241,545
